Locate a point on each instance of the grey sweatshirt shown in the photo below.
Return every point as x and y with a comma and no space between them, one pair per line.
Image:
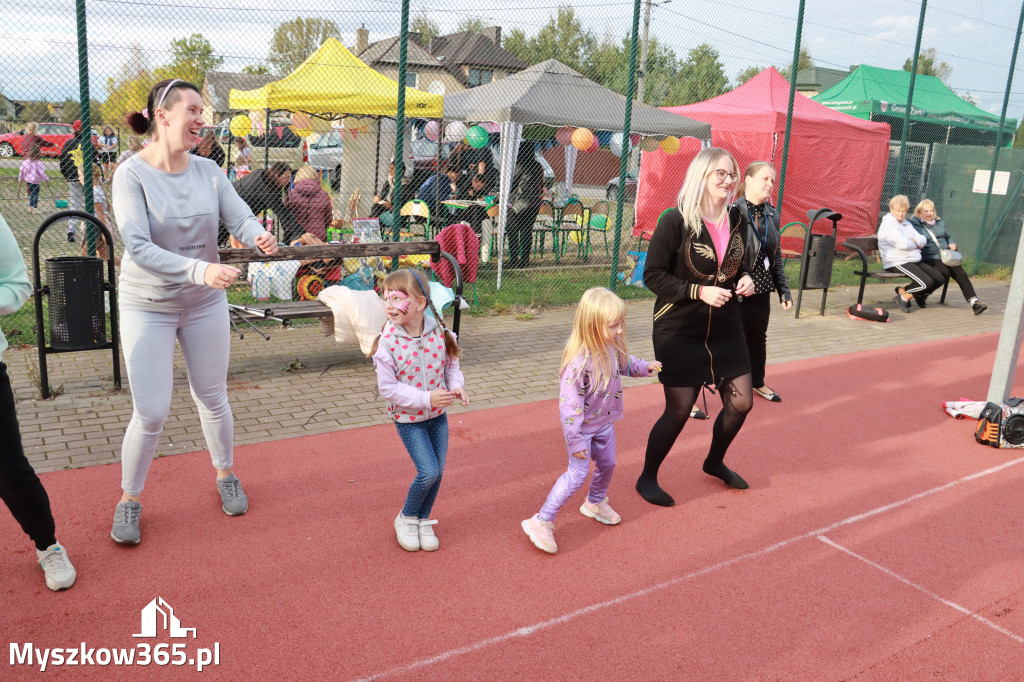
168,222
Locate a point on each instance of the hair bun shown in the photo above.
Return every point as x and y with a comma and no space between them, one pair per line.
138,122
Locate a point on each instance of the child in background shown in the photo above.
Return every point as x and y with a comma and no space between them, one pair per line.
32,174
101,210
590,403
417,361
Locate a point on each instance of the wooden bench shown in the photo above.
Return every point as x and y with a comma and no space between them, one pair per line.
869,245
286,311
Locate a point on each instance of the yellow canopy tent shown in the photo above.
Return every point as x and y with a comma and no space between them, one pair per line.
333,83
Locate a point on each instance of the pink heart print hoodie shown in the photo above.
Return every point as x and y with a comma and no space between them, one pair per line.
409,368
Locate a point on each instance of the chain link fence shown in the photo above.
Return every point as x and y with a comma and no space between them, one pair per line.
315,88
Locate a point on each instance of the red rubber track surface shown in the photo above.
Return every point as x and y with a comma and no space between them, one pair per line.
878,541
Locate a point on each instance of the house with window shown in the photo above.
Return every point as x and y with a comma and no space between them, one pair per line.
217,91
422,71
815,80
475,58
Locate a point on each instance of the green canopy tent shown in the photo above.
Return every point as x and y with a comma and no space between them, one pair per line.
937,115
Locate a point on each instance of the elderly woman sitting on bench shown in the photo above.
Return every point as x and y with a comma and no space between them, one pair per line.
900,245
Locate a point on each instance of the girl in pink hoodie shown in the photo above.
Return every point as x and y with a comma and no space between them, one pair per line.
309,203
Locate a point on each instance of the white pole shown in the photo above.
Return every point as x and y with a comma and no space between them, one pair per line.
1011,335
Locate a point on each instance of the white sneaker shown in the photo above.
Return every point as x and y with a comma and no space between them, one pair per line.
428,541
60,574
407,528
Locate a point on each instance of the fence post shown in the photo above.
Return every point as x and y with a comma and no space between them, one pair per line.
789,109
624,157
396,191
910,96
88,154
999,140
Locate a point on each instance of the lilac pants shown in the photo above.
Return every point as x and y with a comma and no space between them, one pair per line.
601,448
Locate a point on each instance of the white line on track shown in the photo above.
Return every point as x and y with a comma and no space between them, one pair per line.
952,605
531,629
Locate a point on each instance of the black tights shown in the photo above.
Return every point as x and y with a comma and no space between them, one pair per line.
737,399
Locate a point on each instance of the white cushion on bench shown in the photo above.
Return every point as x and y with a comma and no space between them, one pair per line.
359,316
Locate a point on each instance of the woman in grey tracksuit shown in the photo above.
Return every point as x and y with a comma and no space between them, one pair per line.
168,204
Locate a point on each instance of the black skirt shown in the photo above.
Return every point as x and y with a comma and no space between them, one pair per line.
697,344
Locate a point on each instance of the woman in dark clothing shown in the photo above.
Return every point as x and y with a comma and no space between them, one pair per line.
695,265
524,204
933,228
763,257
210,149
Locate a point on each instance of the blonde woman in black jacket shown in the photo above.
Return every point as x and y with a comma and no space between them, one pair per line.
695,266
763,256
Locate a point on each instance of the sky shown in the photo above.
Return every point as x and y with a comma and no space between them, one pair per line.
38,44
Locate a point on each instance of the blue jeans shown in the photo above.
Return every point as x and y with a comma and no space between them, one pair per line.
427,443
33,194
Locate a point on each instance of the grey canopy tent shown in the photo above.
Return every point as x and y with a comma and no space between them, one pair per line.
551,93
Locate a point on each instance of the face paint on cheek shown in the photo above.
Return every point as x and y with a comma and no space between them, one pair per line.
397,300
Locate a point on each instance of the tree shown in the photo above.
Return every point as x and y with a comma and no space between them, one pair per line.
1018,139
747,73
562,38
129,90
927,66
609,63
72,111
191,58
426,27
804,61
256,69
702,75
518,44
472,24
294,41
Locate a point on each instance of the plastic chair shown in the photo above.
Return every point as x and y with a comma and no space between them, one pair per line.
418,212
599,223
573,210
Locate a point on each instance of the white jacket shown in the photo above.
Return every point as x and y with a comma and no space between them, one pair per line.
899,242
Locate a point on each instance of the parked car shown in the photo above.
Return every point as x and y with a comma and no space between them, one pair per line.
53,135
325,154
612,188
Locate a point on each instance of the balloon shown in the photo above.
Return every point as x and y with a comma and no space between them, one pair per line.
564,135
649,144
634,140
615,144
432,131
490,126
476,137
583,139
670,145
595,145
300,120
240,125
454,131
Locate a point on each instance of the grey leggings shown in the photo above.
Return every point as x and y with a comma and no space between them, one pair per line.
147,339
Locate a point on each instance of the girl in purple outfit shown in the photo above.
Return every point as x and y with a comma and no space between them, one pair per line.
32,174
589,404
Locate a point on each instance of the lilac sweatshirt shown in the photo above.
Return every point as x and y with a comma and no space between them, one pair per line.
582,408
32,172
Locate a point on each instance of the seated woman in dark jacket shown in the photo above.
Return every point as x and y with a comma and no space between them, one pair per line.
763,255
933,229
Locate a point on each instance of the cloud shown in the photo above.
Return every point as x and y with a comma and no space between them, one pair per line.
966,27
901,29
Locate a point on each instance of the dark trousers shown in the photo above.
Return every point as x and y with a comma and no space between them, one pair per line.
20,488
754,311
520,236
33,194
957,273
924,278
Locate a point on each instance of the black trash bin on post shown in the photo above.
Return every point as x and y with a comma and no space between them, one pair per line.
76,313
819,253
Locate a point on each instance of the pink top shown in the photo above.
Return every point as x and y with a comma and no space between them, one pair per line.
32,171
719,235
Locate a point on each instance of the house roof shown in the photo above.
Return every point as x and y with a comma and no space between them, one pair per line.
819,78
386,52
473,49
220,84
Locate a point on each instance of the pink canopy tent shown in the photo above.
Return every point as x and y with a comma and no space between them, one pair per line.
835,160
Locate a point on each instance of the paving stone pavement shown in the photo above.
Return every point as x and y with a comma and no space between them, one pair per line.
300,383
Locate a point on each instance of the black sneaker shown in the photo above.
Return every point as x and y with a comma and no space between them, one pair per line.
920,300
902,303
978,307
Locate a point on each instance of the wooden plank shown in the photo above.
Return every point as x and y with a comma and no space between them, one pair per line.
333,251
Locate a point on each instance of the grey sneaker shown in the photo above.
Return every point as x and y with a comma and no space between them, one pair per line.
60,574
233,500
126,523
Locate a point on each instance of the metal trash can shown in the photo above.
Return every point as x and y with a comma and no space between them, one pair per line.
819,261
75,309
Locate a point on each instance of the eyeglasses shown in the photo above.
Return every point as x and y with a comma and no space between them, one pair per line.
722,175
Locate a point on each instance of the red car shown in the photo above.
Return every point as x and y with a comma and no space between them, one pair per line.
53,135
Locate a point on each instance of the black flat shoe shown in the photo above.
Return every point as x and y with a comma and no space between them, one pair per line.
903,303
979,308
768,394
697,413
